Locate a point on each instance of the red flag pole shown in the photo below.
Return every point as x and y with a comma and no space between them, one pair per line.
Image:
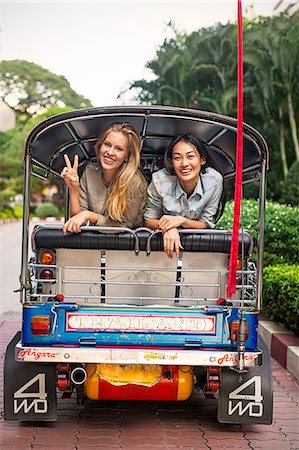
231,282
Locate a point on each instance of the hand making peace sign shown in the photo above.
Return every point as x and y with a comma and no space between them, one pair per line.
70,174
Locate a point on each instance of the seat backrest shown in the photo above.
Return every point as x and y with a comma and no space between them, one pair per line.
214,241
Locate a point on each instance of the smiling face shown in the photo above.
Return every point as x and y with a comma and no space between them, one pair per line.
112,153
187,163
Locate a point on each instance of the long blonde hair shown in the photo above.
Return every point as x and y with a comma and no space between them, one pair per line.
128,175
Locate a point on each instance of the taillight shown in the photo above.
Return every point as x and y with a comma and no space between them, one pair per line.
239,267
239,264
46,274
46,257
40,325
234,330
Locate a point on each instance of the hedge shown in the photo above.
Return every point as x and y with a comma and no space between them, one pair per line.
281,295
290,186
281,229
8,212
47,210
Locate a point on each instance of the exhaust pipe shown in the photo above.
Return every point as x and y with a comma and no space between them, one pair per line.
78,376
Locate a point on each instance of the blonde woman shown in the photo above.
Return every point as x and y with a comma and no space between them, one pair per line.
111,192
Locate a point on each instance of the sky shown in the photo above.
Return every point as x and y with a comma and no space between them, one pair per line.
100,47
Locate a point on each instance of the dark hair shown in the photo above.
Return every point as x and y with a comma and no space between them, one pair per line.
189,138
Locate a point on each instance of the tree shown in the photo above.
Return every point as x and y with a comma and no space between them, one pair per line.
11,158
30,89
199,70
272,53
290,186
196,70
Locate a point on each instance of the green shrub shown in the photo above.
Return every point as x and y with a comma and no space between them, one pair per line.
290,186
281,234
281,295
46,210
18,212
281,229
6,212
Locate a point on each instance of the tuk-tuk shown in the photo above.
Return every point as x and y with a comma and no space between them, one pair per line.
107,316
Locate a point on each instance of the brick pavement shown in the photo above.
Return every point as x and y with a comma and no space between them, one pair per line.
282,345
155,425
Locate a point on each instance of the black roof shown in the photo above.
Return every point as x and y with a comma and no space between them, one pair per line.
75,132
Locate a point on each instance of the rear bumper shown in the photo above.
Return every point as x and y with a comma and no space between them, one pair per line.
135,356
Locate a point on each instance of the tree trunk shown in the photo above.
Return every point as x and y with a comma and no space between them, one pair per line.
293,125
282,146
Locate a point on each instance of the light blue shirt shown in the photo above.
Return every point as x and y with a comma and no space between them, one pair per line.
166,196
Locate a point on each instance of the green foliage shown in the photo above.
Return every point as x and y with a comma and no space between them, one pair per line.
281,229
199,70
18,212
281,234
31,90
11,158
196,70
281,295
47,210
6,212
290,186
9,212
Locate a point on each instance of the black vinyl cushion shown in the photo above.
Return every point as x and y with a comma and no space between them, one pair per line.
214,241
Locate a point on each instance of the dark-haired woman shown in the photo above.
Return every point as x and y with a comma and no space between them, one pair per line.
185,194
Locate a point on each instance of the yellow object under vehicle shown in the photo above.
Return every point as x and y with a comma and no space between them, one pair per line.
138,382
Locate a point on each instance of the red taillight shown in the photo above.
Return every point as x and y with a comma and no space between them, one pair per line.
234,330
40,325
46,274
46,257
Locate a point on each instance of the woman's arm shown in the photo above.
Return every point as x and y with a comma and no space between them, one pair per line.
152,223
75,207
168,222
73,225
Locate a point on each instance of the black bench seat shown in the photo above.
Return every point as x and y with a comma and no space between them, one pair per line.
142,239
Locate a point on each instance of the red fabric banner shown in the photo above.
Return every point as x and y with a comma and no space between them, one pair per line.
231,282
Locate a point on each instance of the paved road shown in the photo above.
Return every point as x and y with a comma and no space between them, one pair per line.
139,425
10,265
10,245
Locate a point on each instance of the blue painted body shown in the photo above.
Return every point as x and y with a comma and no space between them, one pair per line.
59,335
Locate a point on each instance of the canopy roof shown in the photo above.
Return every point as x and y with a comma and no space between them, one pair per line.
75,132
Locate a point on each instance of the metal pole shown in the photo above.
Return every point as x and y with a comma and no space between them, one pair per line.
24,277
261,235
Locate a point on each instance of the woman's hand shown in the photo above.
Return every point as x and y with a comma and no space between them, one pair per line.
70,174
74,223
172,242
168,222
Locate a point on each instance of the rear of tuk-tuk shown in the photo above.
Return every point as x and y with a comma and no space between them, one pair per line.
106,314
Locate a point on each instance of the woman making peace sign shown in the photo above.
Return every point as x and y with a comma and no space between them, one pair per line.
111,192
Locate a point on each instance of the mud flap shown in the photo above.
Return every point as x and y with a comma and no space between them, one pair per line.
29,388
248,397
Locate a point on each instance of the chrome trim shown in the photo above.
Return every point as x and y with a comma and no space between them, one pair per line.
24,277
